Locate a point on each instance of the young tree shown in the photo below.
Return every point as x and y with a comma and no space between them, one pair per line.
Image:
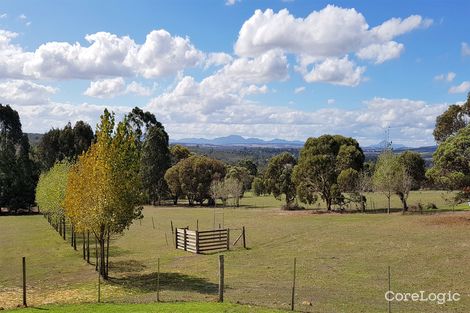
154,162
278,177
321,161
387,175
103,192
242,175
173,181
356,184
234,189
258,186
219,191
50,192
411,176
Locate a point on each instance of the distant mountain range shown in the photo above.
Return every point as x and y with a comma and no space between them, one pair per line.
234,140
239,141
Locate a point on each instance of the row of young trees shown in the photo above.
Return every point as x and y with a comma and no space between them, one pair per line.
102,190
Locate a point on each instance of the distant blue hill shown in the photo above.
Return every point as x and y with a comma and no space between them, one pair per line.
235,140
383,145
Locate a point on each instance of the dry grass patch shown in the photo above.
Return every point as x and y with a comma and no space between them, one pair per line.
449,219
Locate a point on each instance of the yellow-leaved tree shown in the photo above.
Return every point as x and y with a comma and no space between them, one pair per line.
103,193
50,194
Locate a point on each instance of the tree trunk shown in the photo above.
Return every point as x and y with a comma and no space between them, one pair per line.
363,204
175,200
389,196
74,239
83,245
96,255
88,246
65,229
103,258
107,255
71,236
328,204
402,197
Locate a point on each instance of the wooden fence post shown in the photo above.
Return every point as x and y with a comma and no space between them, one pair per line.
176,238
158,280
197,242
228,238
171,226
293,287
389,289
244,237
24,282
221,278
184,237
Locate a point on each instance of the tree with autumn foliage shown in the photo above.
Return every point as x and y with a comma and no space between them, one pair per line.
103,192
50,194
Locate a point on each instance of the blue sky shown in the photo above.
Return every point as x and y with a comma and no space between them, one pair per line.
268,69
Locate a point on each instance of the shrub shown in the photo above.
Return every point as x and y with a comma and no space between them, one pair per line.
431,206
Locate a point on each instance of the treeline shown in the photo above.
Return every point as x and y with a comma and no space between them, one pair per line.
332,168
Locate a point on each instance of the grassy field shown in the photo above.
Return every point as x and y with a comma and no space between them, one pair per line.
374,201
342,259
150,308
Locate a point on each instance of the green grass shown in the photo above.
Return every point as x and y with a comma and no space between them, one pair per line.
149,308
374,201
342,260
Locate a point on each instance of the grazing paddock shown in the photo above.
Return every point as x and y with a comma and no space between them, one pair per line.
375,200
342,260
154,308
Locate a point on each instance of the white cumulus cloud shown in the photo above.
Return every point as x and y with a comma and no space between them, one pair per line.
109,88
22,92
331,33
107,55
336,71
380,53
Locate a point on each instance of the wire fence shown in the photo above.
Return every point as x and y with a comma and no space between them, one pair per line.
321,284
340,290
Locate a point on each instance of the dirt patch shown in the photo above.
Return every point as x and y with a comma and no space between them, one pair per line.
449,219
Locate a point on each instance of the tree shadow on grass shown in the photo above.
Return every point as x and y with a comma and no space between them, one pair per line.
168,281
127,266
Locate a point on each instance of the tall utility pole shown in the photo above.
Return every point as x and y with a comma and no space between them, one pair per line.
388,142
